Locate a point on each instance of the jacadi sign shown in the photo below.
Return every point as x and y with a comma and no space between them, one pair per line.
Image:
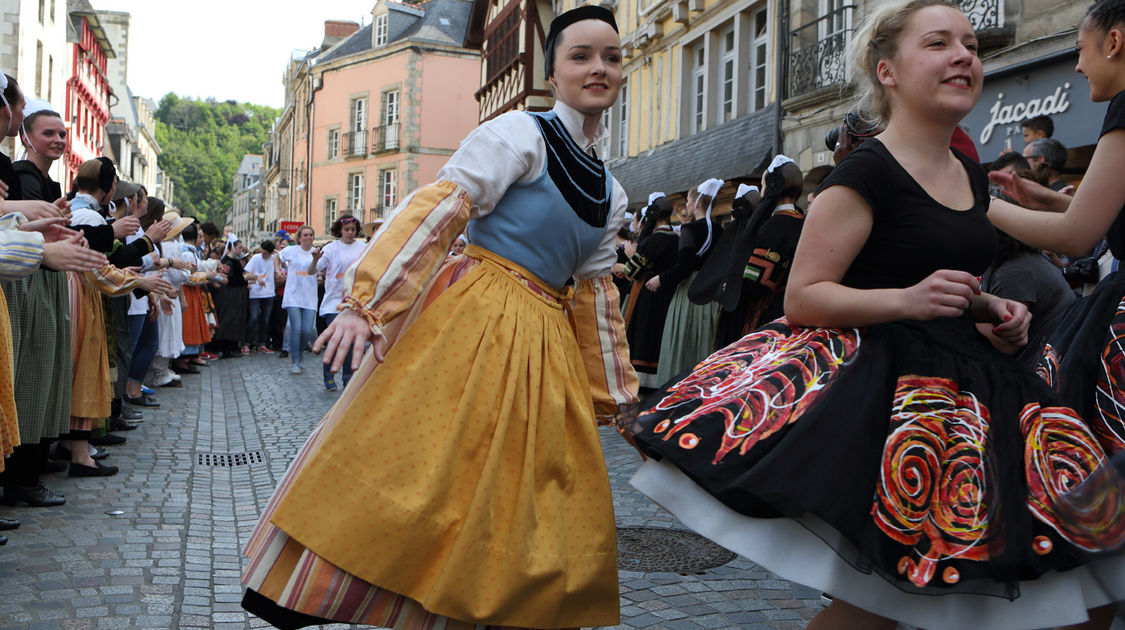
1012,96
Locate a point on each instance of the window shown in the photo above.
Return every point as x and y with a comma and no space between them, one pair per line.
759,62
503,45
389,136
39,66
698,82
333,143
51,73
329,213
357,126
727,65
381,30
355,193
43,11
836,21
623,122
389,191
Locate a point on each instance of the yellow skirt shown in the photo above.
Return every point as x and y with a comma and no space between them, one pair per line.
9,421
465,473
92,393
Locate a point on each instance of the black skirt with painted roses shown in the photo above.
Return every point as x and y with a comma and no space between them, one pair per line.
915,450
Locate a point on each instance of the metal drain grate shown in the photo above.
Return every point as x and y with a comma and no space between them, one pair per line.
226,460
650,549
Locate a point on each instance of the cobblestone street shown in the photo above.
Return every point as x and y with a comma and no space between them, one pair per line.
171,559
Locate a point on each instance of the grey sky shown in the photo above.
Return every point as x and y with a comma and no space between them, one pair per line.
233,49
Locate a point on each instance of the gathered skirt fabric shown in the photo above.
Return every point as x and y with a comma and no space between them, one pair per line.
923,459
483,497
689,333
194,317
232,308
646,313
170,337
9,422
39,314
92,389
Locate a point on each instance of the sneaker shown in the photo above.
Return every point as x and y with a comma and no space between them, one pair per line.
296,369
147,390
245,350
128,413
144,400
109,439
264,350
330,384
284,354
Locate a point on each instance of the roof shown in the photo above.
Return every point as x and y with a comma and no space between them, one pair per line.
439,21
731,150
82,8
250,163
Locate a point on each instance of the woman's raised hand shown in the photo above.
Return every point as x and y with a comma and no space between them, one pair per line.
349,331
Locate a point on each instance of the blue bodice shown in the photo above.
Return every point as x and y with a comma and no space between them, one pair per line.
534,227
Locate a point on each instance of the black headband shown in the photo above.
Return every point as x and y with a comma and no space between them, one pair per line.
106,173
559,24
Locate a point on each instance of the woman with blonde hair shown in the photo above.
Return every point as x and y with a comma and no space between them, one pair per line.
872,444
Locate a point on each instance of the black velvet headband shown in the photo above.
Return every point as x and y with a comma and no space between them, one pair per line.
559,24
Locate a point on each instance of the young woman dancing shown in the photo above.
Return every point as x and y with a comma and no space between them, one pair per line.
874,445
482,495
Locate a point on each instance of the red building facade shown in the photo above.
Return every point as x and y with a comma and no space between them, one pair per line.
87,89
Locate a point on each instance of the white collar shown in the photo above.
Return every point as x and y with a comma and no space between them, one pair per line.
573,120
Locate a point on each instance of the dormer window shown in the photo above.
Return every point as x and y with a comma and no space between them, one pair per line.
381,30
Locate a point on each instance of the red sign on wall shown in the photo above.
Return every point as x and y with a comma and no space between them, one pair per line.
291,226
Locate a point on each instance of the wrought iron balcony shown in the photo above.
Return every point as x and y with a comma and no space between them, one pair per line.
355,143
386,138
817,59
984,14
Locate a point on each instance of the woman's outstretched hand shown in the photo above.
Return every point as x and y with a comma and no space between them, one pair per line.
349,331
1029,194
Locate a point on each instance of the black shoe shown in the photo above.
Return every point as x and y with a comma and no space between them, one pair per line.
184,370
35,496
109,440
8,523
97,470
144,400
130,414
172,383
51,466
117,424
283,354
3,540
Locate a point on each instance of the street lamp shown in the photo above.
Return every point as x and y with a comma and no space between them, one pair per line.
283,192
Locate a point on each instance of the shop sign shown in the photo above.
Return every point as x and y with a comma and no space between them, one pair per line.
1009,98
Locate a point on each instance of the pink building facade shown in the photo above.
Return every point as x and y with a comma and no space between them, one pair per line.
386,107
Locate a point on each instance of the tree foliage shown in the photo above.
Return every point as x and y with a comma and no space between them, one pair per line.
203,142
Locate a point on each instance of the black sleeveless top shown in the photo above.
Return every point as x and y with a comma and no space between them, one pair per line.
913,235
1115,119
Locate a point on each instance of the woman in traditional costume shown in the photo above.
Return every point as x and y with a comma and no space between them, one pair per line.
647,307
689,328
874,445
484,384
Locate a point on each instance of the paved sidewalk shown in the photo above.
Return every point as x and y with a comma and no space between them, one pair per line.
171,559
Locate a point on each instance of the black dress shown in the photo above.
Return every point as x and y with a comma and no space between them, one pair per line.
904,459
1082,353
689,328
646,311
232,307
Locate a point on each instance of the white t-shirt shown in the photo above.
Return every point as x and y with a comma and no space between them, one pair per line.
300,285
139,305
262,267
336,259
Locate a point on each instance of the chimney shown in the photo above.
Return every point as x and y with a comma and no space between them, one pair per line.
335,31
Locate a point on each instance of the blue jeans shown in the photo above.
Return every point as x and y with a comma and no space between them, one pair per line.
258,326
144,340
302,330
347,369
